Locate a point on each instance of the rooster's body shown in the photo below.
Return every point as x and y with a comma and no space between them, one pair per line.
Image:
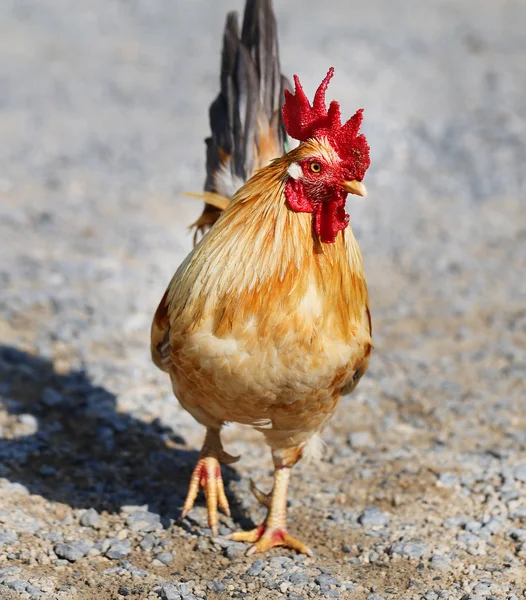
266,322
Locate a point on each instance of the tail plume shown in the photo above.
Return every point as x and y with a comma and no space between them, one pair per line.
247,129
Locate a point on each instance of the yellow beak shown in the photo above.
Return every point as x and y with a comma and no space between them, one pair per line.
355,187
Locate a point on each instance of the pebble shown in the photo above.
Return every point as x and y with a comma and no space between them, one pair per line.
7,573
29,422
18,585
118,549
216,586
169,591
164,557
234,549
102,545
412,548
256,568
148,542
440,563
73,551
373,517
299,578
90,518
143,521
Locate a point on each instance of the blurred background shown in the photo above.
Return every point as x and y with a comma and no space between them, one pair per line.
103,115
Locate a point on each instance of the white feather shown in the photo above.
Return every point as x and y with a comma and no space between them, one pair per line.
295,171
226,184
314,449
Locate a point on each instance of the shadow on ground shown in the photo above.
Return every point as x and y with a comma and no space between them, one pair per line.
83,452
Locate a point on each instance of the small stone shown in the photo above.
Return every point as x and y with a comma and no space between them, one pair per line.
118,549
73,551
346,548
373,517
234,549
165,557
256,568
124,590
299,578
216,586
148,542
473,526
360,439
326,580
34,592
494,525
30,422
139,573
184,589
102,545
170,592
143,520
90,518
440,563
375,597
412,548
18,585
284,586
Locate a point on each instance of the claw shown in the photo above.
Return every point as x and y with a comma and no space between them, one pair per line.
261,497
207,473
227,459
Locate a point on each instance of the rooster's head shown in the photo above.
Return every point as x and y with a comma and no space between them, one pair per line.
330,162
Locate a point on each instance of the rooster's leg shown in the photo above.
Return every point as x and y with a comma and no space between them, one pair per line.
207,473
273,531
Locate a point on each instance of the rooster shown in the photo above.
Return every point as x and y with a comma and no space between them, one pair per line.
266,322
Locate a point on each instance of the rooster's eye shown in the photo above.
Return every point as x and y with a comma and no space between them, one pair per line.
315,167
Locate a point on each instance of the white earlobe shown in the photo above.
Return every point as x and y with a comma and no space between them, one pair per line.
295,171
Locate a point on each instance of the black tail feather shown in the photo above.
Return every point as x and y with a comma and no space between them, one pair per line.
248,107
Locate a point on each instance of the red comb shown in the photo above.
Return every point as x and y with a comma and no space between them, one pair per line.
303,121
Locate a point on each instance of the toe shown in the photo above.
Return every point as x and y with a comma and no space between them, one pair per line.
295,544
207,473
247,536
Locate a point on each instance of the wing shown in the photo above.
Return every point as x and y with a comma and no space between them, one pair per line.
245,118
160,335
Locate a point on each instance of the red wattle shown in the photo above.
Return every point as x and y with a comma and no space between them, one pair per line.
330,218
329,215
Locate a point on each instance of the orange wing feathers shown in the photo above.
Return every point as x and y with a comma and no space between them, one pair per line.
254,292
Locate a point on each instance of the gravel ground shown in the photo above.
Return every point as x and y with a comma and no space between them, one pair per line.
421,493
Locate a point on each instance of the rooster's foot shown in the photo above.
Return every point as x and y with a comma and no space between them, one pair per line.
264,538
207,473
